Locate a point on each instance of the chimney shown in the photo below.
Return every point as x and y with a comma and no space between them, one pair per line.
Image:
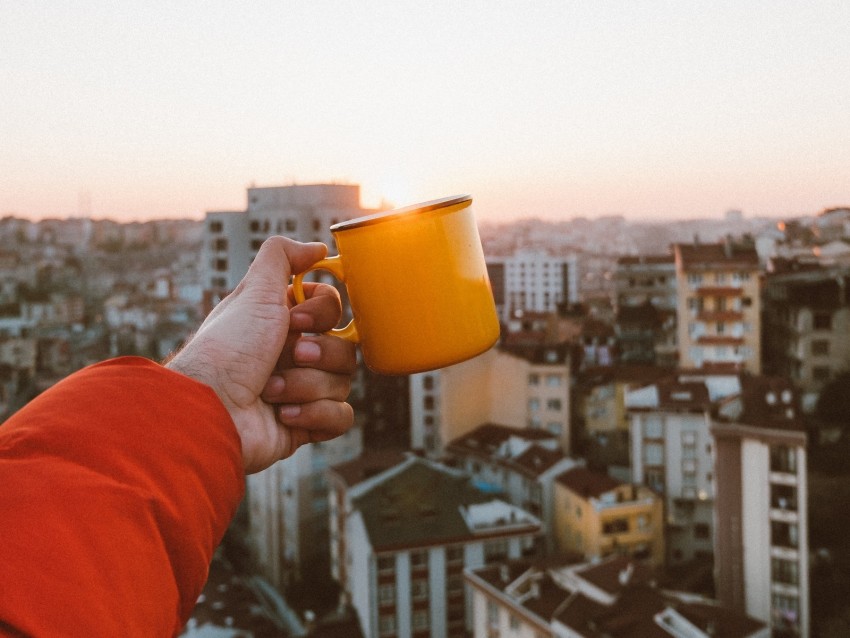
625,575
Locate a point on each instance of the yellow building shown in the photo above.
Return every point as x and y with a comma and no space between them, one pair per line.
597,516
718,307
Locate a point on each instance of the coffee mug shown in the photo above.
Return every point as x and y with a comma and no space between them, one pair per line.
417,285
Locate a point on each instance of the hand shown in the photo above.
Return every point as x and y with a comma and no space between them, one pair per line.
281,389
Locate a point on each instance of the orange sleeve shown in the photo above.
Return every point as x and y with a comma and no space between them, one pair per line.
117,485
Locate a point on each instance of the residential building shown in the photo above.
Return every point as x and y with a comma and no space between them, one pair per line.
597,516
761,517
409,532
288,510
807,326
521,387
646,301
718,307
532,281
671,453
303,212
518,465
616,598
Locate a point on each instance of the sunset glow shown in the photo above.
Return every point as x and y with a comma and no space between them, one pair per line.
550,109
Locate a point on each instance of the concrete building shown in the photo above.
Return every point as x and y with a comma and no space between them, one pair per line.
303,212
616,598
518,465
527,387
598,516
807,327
718,307
288,510
532,281
761,538
671,453
408,534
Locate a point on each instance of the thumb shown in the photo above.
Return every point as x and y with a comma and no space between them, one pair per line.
280,257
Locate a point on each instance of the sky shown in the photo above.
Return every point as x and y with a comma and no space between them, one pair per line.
555,109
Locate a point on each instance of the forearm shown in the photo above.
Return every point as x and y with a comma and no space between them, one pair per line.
120,482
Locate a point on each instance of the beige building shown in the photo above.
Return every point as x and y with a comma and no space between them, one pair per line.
718,307
517,387
597,516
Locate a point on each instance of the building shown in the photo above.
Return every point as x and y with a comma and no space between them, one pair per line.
597,516
521,387
718,307
761,539
532,281
303,212
807,327
671,453
408,533
615,598
288,510
645,305
518,465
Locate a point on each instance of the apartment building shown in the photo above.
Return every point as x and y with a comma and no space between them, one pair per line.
532,281
518,465
718,307
408,533
616,597
807,326
521,387
288,510
671,453
761,539
645,305
597,516
303,212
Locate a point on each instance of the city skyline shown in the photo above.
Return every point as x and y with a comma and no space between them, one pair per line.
551,110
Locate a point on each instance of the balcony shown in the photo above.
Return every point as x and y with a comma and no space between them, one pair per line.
719,291
720,340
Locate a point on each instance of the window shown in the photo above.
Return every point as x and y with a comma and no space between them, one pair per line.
256,243
653,454
694,279
783,459
495,550
291,225
220,243
454,554
492,613
553,404
386,625
533,379
216,227
533,404
820,347
255,226
514,623
783,534
616,526
820,373
553,380
428,382
702,531
653,428
428,403
822,321
721,327
220,265
421,620
783,497
654,478
386,594
419,559
785,571
386,563
419,589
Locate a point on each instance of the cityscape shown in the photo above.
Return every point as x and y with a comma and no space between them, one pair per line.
655,447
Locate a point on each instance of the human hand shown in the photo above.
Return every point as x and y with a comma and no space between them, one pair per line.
281,389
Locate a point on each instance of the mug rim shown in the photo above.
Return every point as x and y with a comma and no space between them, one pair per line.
386,215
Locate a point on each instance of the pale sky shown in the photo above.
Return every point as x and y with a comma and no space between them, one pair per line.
136,110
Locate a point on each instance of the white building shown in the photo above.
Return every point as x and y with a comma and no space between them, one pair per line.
303,212
408,533
532,281
761,540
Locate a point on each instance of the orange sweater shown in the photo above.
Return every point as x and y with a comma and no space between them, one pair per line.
116,486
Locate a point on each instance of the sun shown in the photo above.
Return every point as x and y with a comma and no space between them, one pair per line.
387,192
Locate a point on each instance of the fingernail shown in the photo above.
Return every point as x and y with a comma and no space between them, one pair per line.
275,385
289,411
307,351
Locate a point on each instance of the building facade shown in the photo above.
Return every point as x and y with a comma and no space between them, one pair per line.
718,307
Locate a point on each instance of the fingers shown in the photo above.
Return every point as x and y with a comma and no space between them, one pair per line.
321,367
278,259
315,422
319,312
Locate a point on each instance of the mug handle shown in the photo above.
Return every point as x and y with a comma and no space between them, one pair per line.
334,266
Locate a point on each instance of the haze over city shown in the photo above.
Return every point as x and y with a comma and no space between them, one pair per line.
548,109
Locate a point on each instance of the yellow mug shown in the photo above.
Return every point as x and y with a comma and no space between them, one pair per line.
417,284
